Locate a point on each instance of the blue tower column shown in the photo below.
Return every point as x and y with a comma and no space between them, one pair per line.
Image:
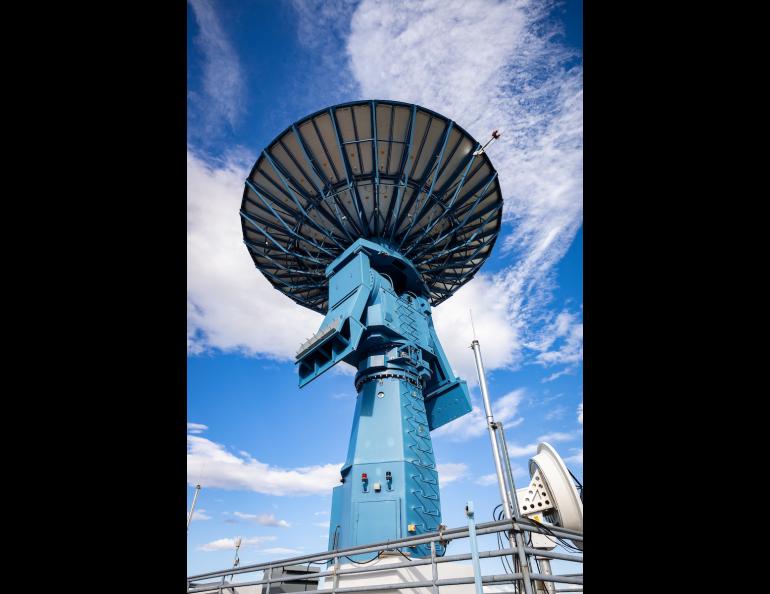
390,485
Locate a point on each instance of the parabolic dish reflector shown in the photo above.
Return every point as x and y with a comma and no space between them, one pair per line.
397,174
566,499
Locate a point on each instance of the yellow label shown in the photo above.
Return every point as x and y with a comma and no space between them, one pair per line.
411,528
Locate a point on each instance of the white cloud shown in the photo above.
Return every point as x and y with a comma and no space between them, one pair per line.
499,340
556,436
263,519
281,551
486,480
561,342
474,424
529,450
200,514
231,305
196,428
517,451
558,374
230,471
223,86
227,544
321,513
580,412
451,471
556,413
576,458
322,524
344,395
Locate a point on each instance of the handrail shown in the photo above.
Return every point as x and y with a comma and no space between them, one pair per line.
462,532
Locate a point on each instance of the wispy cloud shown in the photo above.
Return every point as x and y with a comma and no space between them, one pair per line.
227,470
474,424
449,472
200,514
231,305
529,450
486,480
343,395
263,519
561,341
281,551
580,412
322,26
317,20
576,458
556,413
222,99
228,544
557,374
557,436
196,428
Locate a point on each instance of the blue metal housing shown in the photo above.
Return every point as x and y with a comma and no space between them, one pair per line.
406,389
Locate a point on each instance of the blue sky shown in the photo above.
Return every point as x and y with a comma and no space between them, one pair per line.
268,454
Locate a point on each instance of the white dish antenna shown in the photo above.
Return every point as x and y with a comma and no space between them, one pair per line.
551,492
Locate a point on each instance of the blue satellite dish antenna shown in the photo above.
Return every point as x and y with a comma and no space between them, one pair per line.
385,171
370,213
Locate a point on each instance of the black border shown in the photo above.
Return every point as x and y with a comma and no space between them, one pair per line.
105,335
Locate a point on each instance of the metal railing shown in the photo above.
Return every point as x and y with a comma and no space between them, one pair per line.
539,582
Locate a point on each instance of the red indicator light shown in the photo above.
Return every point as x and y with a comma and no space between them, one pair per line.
363,476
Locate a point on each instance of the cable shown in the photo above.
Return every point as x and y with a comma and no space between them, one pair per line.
550,533
515,558
503,560
377,556
578,483
402,554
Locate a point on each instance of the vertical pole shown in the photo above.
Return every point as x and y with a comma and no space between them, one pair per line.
514,536
236,562
508,473
192,507
545,569
474,547
491,427
269,577
336,578
433,567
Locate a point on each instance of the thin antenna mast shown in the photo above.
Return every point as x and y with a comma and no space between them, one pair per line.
495,135
192,507
514,536
236,562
